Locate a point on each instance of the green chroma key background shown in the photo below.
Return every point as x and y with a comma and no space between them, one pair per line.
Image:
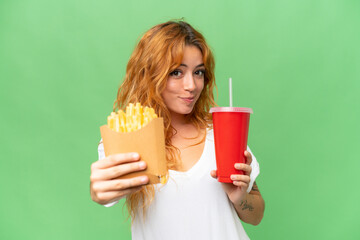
296,63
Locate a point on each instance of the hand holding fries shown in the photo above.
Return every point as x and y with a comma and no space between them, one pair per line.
105,187
121,172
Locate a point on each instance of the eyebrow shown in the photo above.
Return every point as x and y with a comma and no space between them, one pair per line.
200,65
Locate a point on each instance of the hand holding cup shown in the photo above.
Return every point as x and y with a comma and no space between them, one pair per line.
236,190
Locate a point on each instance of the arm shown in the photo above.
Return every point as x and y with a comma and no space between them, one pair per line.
248,205
251,208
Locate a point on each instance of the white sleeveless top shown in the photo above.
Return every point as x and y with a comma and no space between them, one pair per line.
192,205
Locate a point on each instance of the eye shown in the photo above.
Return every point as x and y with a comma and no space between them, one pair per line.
200,73
175,73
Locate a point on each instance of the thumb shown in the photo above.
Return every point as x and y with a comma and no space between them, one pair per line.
213,174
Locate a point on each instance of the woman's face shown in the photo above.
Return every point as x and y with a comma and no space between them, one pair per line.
184,84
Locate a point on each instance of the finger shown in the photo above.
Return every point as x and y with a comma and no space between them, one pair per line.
213,174
108,197
241,184
242,178
120,184
115,159
244,167
248,157
117,171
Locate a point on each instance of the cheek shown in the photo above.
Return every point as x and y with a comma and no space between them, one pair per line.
172,86
200,88
201,85
169,90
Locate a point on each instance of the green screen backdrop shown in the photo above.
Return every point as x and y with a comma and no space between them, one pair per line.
296,63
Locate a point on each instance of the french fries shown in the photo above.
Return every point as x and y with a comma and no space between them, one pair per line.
134,118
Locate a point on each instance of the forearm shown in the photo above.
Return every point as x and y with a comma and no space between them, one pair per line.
251,209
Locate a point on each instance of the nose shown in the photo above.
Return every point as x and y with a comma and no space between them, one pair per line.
189,82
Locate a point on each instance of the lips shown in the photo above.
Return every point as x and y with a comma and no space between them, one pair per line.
188,99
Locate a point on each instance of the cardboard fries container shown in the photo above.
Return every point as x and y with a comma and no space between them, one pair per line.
149,142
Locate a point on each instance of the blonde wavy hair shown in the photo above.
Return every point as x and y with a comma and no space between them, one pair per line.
157,54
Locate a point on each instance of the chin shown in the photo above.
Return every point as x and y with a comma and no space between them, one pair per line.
187,110
182,111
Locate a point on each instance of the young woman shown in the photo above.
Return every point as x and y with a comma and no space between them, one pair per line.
172,71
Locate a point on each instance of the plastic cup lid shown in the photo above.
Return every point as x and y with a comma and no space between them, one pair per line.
231,109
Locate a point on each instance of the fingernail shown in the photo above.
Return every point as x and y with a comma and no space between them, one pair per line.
232,177
135,155
143,179
142,165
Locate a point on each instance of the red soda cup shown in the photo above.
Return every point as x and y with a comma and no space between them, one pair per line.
231,127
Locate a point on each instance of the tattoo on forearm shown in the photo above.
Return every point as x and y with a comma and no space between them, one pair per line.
245,205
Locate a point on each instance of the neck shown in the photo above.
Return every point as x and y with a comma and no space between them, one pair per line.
179,121
184,128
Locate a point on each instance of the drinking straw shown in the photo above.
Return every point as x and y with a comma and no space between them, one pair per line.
230,91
